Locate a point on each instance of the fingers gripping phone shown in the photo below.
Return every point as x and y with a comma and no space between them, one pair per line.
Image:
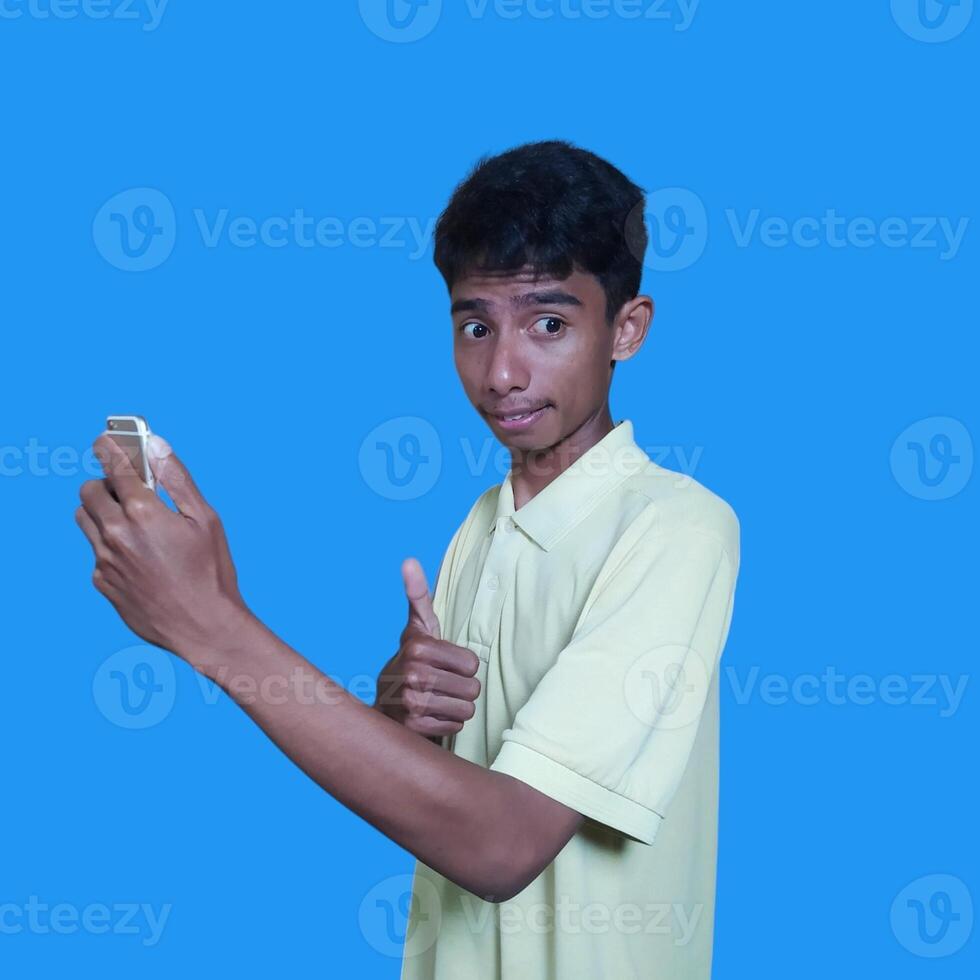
131,434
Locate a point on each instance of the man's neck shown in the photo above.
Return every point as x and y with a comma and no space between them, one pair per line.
532,471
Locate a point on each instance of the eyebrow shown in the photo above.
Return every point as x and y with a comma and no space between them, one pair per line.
549,297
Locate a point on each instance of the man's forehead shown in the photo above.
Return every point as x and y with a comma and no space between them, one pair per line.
510,287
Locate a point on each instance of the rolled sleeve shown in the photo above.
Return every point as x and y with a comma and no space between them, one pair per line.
609,728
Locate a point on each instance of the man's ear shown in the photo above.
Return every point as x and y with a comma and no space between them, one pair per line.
631,327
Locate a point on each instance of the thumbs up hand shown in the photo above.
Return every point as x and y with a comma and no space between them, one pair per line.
421,615
429,685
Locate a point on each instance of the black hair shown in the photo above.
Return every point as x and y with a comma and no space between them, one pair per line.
553,207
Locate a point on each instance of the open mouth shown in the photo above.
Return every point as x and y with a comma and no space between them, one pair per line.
521,421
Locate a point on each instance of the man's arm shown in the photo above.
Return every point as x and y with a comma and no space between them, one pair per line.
489,832
170,577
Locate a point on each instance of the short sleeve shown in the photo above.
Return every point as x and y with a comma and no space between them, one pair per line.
609,728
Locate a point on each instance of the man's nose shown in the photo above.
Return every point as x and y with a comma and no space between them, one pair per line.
507,370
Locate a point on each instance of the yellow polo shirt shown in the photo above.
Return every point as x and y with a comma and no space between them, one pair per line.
599,610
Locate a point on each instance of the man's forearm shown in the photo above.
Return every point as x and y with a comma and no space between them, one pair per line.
451,814
170,577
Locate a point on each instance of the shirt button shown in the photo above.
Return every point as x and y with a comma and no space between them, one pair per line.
509,525
493,582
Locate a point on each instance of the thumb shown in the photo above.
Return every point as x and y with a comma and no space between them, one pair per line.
173,476
420,611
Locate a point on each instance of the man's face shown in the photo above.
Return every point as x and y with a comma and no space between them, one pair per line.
522,343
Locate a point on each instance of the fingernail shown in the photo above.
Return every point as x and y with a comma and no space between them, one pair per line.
158,447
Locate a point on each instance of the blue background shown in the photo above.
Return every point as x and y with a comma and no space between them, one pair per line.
791,371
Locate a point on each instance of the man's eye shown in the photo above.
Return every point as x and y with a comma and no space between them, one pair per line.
477,326
553,324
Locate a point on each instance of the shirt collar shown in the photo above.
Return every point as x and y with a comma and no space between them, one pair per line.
576,491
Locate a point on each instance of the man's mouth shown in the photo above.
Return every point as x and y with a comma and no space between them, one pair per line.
519,420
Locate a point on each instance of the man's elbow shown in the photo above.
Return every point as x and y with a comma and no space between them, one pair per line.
510,870
518,846
497,888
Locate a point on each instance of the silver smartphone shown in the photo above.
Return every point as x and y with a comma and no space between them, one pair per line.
131,434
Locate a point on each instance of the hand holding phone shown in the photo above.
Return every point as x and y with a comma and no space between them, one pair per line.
131,433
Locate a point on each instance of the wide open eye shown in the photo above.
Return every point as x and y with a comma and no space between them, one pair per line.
552,325
474,323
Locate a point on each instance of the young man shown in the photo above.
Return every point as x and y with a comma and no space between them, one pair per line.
545,740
